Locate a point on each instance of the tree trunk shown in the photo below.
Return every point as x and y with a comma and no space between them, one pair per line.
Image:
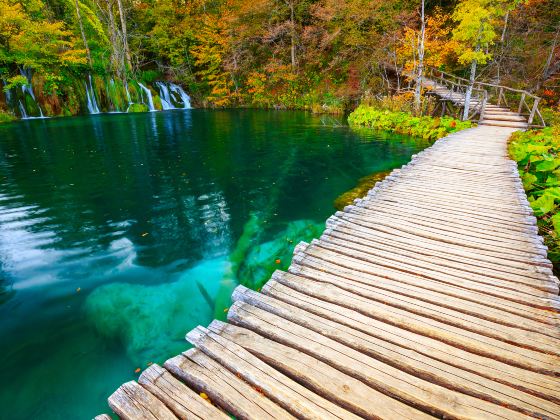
551,54
420,73
84,39
116,60
293,35
506,19
124,33
468,94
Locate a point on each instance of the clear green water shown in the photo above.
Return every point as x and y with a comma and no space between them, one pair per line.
153,218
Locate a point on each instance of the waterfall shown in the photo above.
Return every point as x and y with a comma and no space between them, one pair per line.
149,95
172,94
164,96
127,94
186,99
28,89
92,106
111,91
22,110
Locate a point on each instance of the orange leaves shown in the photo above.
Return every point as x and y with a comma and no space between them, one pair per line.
439,47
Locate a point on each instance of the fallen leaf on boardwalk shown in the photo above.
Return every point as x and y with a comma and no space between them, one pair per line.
203,395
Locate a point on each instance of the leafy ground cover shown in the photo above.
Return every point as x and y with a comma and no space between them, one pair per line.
429,128
537,155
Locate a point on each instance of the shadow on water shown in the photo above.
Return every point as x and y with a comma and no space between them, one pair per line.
119,233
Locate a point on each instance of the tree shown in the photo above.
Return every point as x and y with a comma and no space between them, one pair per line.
474,33
84,39
124,33
420,70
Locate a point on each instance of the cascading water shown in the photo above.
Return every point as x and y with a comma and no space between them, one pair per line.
186,99
149,95
172,94
111,90
164,96
28,89
92,106
22,111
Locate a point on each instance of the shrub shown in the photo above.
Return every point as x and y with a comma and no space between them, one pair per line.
428,128
537,155
6,117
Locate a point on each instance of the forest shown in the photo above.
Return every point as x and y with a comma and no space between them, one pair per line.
69,57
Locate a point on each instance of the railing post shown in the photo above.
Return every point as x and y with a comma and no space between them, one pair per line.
532,114
500,94
521,103
483,107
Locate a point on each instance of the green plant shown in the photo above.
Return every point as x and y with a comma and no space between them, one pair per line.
537,155
138,108
426,127
6,117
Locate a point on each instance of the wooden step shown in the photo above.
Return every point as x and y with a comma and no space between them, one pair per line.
512,124
512,118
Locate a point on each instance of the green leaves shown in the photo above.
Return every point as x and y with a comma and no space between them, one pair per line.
547,165
543,205
425,127
528,180
537,153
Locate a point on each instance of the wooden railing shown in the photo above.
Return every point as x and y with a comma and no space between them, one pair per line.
520,101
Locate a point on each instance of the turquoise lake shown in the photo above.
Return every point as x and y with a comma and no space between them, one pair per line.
121,232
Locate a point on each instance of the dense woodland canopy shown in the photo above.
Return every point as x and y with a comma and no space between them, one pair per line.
314,54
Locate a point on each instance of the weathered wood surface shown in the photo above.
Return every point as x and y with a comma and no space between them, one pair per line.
431,296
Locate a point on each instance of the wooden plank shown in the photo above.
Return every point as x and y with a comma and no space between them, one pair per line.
459,201
483,254
403,359
358,298
223,388
431,248
183,401
416,392
132,402
541,279
514,290
282,287
336,266
290,395
448,219
479,298
431,219
446,296
321,378
464,240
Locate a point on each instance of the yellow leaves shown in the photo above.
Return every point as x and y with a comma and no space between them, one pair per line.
475,29
33,41
439,48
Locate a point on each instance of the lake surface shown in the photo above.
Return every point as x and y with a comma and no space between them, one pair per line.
121,232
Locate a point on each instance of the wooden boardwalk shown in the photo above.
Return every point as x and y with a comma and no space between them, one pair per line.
432,296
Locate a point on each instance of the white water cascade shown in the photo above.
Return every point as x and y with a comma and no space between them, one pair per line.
92,106
22,111
172,94
28,89
149,95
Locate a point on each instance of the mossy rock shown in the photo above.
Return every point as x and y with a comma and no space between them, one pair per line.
138,108
364,185
6,117
157,102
